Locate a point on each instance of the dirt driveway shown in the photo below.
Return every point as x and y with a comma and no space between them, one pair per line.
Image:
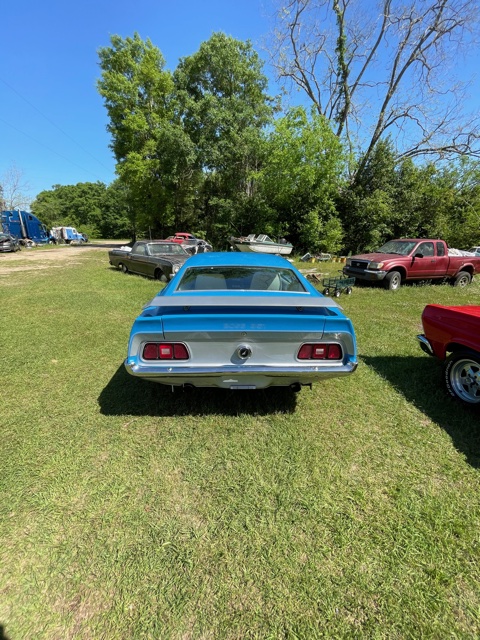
43,258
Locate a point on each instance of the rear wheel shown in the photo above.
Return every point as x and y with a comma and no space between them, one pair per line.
123,267
393,281
462,376
462,279
326,291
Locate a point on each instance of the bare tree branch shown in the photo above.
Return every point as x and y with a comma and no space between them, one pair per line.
14,189
369,71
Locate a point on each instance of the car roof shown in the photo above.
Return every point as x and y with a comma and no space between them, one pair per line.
237,258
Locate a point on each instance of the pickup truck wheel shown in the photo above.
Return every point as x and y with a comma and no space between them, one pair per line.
123,267
462,376
393,281
462,279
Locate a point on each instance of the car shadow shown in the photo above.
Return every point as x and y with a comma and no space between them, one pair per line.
126,395
420,380
3,636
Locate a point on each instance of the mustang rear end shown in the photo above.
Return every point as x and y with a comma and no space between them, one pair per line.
240,321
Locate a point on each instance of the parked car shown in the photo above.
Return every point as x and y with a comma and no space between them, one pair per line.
410,259
157,259
240,321
455,331
8,243
475,250
191,243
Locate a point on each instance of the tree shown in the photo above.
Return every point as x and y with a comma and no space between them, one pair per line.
223,105
387,72
300,179
92,207
137,92
14,190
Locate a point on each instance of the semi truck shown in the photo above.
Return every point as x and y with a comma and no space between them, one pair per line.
68,235
26,227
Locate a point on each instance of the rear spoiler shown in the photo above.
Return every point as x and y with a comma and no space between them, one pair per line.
294,301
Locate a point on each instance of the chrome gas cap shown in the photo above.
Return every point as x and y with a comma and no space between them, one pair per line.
244,351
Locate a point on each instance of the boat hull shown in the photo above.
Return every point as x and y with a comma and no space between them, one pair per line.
259,247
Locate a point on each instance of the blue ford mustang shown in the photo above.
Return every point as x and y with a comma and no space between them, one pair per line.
240,321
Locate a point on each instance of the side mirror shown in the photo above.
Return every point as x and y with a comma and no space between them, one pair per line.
418,255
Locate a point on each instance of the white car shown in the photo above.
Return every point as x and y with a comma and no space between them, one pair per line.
475,250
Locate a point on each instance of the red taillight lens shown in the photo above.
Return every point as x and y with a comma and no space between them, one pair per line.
165,351
305,352
320,351
150,351
334,352
180,352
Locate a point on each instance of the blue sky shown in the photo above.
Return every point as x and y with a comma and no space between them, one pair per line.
52,120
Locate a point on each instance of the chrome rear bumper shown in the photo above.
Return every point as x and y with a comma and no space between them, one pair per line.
258,377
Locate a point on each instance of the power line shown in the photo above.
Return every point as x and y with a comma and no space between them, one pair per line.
50,149
53,123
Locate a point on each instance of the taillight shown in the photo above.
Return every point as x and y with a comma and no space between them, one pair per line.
165,351
320,351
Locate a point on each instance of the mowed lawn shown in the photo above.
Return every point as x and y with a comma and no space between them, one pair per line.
351,510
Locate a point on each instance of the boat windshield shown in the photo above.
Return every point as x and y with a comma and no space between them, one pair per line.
239,278
400,247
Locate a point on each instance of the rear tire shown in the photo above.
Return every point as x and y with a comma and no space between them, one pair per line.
462,376
462,279
124,268
393,281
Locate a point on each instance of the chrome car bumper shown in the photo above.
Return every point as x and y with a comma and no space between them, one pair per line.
425,344
235,377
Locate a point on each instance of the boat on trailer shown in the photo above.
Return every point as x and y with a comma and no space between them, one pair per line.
261,244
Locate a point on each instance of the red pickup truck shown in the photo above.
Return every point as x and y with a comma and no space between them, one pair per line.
408,259
455,330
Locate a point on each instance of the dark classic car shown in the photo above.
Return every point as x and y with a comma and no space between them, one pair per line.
157,259
455,331
240,321
8,243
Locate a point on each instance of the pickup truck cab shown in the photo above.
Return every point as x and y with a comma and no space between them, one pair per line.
410,259
455,331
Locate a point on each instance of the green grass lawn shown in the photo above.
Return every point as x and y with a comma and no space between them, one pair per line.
128,511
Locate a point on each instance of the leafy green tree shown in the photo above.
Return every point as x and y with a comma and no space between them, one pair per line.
137,92
301,177
224,107
91,207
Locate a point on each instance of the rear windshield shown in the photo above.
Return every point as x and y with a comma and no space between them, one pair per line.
240,278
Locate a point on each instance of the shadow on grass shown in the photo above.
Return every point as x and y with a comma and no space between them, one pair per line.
125,394
2,633
420,380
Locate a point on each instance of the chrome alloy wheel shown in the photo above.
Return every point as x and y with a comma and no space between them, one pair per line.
462,375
